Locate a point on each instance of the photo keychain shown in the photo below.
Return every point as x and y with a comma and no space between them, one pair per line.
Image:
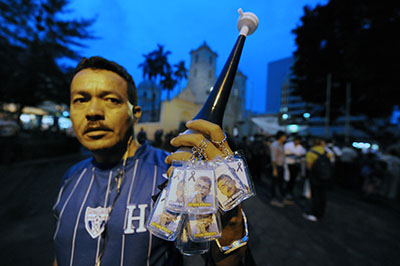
188,247
175,198
239,165
204,227
200,188
230,190
163,223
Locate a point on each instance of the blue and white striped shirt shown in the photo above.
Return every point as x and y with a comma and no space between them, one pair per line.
86,196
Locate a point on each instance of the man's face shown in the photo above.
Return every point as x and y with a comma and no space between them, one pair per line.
226,186
101,114
169,217
205,221
203,187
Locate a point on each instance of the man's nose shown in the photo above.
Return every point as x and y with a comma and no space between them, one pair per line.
95,111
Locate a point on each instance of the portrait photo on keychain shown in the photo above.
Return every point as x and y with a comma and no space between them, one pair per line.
203,227
175,198
200,190
230,191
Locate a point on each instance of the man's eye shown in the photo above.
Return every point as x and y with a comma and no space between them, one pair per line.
113,100
79,100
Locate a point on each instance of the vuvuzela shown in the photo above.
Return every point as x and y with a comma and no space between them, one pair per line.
214,108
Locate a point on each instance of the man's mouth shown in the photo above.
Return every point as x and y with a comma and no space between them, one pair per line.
96,131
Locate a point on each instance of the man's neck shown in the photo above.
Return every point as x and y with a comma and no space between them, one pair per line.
114,156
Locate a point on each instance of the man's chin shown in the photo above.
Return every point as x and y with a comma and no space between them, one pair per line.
102,147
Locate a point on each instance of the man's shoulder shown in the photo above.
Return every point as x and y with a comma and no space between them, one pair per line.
288,145
76,169
79,166
274,144
152,155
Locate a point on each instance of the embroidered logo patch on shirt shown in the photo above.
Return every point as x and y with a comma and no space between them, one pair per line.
95,220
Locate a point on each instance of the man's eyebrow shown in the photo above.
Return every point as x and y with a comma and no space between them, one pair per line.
80,92
105,93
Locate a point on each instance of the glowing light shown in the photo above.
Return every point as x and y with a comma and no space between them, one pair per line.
285,116
25,118
64,123
293,128
361,145
47,120
375,147
306,115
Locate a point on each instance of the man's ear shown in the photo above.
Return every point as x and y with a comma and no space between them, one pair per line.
137,113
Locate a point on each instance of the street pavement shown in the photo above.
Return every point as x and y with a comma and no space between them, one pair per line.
353,232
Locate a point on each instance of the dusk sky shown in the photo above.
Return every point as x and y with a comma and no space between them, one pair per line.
128,29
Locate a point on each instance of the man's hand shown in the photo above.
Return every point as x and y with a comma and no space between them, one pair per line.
232,221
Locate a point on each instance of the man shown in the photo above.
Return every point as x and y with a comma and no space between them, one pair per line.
104,201
278,161
318,187
167,219
202,188
294,153
203,225
227,186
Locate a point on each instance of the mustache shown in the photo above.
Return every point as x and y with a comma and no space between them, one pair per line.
94,126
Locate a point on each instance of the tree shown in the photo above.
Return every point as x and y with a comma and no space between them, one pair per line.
157,68
355,42
33,37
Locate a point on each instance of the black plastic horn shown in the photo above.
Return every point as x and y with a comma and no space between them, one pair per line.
214,107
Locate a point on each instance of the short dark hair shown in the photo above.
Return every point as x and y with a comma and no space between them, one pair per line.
98,62
279,134
206,179
221,177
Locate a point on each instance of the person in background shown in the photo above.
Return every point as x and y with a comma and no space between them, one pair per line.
318,187
277,161
294,153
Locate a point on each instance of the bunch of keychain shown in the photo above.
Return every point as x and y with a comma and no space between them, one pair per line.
188,209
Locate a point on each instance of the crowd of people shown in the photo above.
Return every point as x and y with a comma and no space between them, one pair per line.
286,160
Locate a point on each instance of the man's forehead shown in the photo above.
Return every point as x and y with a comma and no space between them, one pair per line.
98,78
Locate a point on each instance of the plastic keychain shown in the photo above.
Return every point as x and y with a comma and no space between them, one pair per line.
239,165
204,227
200,189
188,247
230,190
163,223
175,197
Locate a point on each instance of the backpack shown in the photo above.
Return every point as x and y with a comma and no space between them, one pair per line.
321,168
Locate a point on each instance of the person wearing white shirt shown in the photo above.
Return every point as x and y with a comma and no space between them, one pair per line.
294,154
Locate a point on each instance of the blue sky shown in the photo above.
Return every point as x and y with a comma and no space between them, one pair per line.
127,29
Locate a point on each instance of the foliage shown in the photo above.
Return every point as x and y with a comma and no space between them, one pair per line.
33,36
356,42
157,68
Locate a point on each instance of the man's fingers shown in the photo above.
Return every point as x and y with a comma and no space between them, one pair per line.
187,140
177,156
197,140
212,130
170,171
207,128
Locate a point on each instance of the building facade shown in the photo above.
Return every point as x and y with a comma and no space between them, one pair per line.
202,77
